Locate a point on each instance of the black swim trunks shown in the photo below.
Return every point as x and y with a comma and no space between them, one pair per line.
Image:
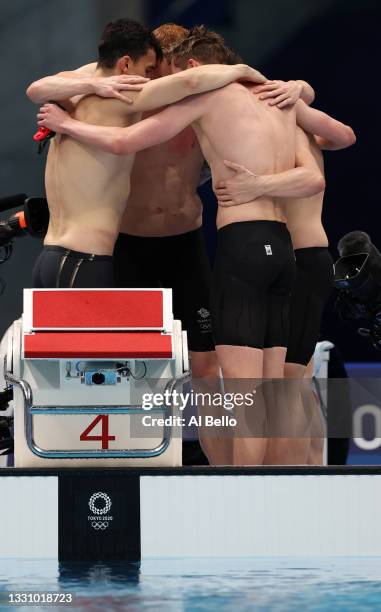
253,278
314,284
57,267
179,263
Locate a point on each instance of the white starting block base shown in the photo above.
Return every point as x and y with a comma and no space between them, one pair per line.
203,512
79,363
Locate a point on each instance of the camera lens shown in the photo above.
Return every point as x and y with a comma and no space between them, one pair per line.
98,378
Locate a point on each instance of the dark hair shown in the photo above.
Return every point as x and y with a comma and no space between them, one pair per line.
205,46
233,57
126,37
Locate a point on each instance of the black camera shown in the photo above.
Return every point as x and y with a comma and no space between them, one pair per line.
358,281
32,220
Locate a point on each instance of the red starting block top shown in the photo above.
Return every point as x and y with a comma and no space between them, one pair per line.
97,345
97,309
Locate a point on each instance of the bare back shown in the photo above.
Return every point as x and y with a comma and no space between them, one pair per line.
304,214
239,127
87,189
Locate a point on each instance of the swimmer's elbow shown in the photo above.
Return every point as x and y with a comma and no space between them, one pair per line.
347,137
316,184
350,136
320,183
117,146
120,145
34,93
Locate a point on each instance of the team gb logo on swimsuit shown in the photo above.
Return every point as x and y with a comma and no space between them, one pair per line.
98,519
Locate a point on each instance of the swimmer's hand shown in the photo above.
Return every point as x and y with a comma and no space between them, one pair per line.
114,86
53,117
280,93
251,74
243,187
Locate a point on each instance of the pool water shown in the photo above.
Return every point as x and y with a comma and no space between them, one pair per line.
313,585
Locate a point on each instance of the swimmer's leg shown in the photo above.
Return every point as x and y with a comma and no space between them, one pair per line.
242,370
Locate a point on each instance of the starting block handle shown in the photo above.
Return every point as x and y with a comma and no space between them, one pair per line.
30,410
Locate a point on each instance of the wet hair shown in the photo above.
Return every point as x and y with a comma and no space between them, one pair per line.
126,37
205,46
170,35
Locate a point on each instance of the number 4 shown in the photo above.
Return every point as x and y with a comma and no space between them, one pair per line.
104,437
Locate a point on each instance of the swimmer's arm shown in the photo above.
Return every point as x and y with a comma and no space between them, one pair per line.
300,182
303,181
66,85
176,87
307,171
125,141
63,85
329,145
308,92
329,133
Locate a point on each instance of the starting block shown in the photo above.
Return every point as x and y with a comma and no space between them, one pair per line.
79,362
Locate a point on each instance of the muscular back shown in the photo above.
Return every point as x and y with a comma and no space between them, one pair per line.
239,127
87,189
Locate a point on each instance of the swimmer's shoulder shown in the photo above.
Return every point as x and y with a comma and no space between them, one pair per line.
106,111
233,89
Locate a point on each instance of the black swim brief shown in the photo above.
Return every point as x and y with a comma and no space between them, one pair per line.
58,267
252,282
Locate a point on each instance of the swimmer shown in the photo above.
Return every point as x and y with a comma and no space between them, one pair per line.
87,189
314,280
255,265
161,242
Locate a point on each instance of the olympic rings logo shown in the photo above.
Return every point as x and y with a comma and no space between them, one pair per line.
107,503
102,526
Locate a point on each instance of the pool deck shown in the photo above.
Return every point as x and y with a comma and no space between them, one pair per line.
79,514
